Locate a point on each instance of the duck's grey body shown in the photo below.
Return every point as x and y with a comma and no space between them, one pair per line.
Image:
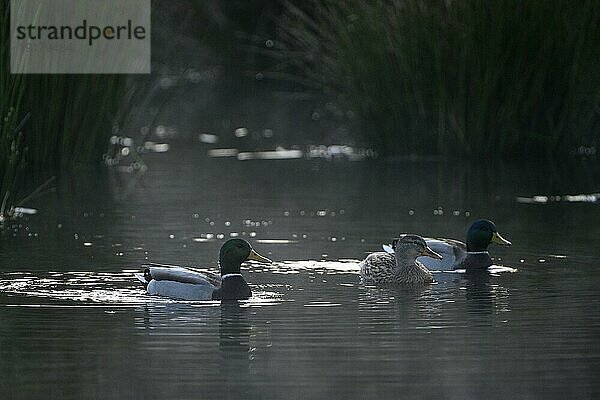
181,290
454,256
381,268
453,253
183,283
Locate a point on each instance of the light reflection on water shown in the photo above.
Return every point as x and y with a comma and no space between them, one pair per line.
100,289
122,288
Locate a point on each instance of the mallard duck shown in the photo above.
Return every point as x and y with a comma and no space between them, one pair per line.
188,284
398,265
470,256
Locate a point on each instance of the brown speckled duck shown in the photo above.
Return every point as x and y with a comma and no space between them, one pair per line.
398,265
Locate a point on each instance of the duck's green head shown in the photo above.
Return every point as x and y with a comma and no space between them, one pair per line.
481,233
234,252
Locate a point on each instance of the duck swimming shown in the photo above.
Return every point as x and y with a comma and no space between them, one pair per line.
188,284
471,256
399,264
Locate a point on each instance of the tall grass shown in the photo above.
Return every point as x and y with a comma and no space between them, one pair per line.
509,78
50,122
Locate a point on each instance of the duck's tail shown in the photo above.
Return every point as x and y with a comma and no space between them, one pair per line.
145,277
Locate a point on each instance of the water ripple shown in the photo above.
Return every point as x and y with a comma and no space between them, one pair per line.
101,288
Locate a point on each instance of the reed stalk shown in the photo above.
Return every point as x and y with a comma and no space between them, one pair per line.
503,78
50,123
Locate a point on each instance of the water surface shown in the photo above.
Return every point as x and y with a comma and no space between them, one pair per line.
75,324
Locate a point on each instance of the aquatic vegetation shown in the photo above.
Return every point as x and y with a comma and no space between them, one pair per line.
12,120
504,78
11,159
50,122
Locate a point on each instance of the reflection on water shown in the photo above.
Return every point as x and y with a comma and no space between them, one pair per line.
76,324
234,349
578,198
105,288
333,152
99,288
87,287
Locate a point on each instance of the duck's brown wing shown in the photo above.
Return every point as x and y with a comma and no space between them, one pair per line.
376,265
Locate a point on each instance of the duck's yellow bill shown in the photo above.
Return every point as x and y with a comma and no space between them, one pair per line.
257,257
430,253
496,238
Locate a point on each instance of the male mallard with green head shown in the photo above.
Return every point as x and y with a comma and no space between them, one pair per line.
398,265
471,256
188,284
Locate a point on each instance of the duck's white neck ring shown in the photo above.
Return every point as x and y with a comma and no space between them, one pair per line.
477,252
223,277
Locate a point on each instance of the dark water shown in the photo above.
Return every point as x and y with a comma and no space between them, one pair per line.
74,323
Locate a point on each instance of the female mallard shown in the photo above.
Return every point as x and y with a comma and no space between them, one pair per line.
187,284
470,256
402,266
